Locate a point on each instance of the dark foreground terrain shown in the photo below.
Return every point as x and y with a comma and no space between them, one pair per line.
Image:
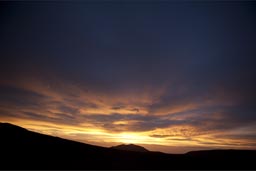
23,149
130,147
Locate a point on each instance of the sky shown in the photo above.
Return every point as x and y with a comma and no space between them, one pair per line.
171,76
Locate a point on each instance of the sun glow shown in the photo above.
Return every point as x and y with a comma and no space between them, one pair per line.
129,138
174,136
135,138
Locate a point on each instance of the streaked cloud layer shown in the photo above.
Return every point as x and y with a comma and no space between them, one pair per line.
171,76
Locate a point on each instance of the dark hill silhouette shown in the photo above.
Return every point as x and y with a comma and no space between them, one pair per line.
130,147
24,149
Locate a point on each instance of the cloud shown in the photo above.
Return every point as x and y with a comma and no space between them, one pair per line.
20,97
75,110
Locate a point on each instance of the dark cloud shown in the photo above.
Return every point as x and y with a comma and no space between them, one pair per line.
67,109
20,97
135,109
248,137
57,118
160,136
117,107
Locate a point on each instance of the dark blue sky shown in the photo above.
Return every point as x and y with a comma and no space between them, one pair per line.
152,65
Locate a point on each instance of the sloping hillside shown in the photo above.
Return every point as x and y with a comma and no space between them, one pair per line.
23,149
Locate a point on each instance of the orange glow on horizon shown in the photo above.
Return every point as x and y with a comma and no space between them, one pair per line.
86,106
95,136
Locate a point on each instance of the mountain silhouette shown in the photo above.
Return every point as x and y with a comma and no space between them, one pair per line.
24,149
130,147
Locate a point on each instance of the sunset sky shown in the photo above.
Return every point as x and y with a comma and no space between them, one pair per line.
171,76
